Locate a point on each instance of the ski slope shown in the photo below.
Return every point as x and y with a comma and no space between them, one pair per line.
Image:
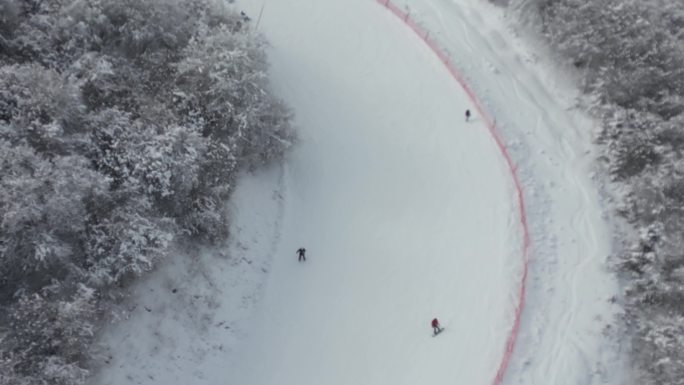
407,212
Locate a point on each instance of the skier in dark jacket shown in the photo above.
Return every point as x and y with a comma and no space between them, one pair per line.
467,115
301,252
435,326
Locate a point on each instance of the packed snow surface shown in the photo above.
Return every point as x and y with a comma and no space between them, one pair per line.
407,213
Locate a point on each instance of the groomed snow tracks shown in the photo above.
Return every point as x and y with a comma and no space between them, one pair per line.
491,126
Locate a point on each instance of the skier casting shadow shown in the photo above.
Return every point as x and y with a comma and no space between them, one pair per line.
302,254
436,328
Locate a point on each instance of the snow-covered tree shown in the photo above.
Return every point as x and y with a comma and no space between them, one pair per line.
123,126
56,330
45,209
227,72
126,244
629,55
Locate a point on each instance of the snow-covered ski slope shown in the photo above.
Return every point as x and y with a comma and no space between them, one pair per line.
407,213
426,225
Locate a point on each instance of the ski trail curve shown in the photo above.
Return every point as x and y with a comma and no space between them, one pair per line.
563,339
491,126
406,210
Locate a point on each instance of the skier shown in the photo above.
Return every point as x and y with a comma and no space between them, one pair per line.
467,115
301,252
435,326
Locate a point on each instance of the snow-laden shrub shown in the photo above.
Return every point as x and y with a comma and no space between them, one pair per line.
226,74
662,342
44,207
9,14
56,330
630,50
127,244
40,106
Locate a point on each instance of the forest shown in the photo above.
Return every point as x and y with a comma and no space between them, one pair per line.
123,127
629,59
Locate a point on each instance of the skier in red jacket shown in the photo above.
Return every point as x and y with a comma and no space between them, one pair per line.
435,326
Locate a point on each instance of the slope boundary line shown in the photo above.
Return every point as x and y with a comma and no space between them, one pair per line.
491,126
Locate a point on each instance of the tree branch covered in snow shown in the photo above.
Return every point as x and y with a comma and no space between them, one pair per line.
630,54
123,124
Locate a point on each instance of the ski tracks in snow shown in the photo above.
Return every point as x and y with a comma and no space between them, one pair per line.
561,339
406,210
490,123
356,313
185,318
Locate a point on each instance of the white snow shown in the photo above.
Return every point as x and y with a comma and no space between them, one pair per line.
407,213
184,320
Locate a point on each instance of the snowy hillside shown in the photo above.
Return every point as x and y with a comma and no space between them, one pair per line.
407,212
